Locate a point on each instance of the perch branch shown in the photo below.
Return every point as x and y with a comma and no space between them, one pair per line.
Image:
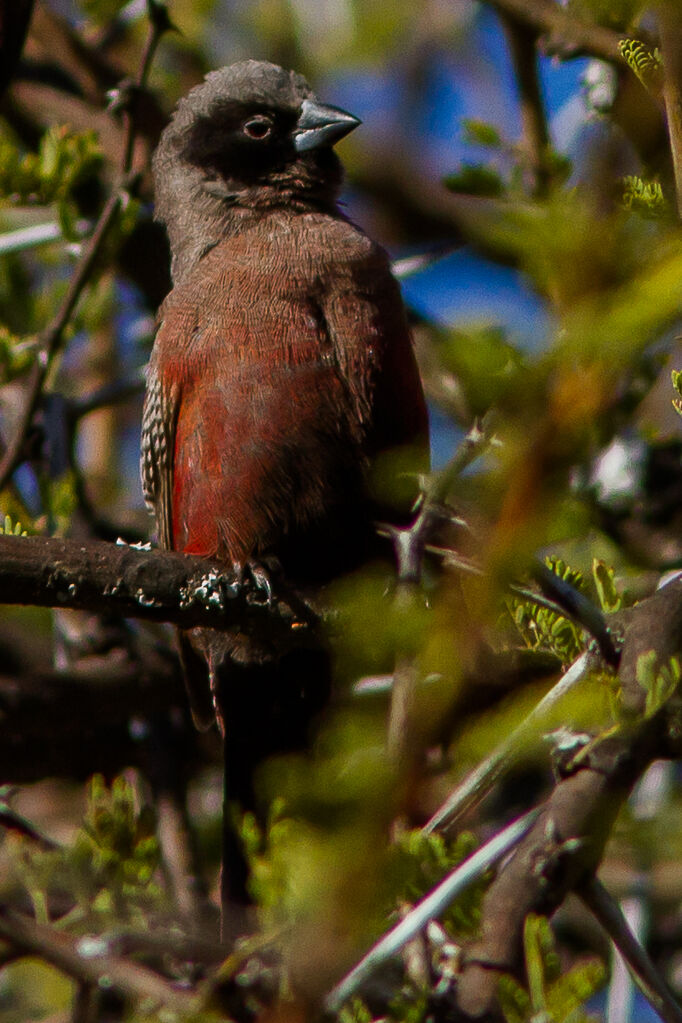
159,586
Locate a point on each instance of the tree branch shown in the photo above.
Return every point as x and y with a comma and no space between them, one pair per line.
157,586
91,963
671,46
565,846
535,140
565,32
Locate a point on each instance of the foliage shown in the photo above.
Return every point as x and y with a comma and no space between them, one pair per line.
551,995
660,681
646,63
645,197
544,629
8,528
108,874
64,160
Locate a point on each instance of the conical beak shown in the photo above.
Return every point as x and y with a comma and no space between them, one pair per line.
321,125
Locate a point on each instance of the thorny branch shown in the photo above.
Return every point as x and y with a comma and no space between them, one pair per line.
409,545
565,846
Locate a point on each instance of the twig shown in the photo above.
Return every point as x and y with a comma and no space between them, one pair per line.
578,607
430,907
89,961
116,393
409,547
609,915
535,141
51,339
670,26
14,821
621,993
409,543
476,785
178,848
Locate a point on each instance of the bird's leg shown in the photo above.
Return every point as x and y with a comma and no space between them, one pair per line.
257,576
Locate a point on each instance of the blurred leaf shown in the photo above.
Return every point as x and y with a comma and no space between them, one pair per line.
604,580
109,870
476,179
659,681
481,133
485,363
64,160
677,384
644,197
552,996
419,862
16,356
620,15
32,990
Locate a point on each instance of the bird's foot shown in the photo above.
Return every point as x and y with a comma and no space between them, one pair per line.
257,577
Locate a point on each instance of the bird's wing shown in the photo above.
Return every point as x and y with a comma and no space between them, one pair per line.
159,419
366,323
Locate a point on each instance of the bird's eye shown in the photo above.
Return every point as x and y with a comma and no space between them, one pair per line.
257,127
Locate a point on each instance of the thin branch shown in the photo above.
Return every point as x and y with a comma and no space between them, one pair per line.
52,338
535,140
470,792
429,908
608,913
409,545
579,608
566,32
13,821
89,961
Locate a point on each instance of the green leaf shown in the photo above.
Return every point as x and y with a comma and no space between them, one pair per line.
645,197
8,528
481,133
569,993
677,384
514,1001
646,63
659,681
476,179
604,580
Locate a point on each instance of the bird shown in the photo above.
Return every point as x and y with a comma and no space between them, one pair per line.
281,374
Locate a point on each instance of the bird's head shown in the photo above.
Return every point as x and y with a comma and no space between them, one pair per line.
251,135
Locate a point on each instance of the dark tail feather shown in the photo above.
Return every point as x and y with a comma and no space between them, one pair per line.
264,710
195,671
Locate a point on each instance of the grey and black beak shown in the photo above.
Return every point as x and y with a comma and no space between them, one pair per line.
321,125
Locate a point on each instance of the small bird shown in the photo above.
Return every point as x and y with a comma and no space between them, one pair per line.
282,370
